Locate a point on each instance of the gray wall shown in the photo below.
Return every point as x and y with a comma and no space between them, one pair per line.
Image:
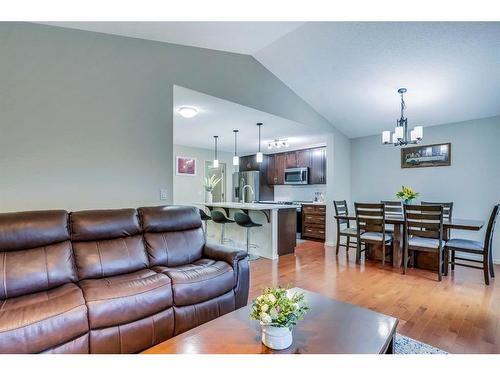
86,118
472,181
189,189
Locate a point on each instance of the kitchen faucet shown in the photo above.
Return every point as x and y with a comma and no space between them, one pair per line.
243,192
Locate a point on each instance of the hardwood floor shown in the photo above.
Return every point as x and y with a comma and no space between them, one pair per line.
459,314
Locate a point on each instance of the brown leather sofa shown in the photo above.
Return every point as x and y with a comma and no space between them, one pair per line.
111,281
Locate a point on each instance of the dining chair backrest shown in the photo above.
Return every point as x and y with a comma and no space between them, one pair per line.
423,221
393,207
490,229
370,217
447,208
341,210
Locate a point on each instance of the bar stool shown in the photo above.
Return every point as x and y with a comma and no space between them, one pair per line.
205,218
244,220
219,218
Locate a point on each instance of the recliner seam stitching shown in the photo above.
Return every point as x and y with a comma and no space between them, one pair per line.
130,295
46,266
100,260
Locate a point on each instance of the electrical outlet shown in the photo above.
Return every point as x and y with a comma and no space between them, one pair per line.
163,194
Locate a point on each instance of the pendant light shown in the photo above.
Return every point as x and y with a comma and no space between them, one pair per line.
259,157
216,154
236,159
400,135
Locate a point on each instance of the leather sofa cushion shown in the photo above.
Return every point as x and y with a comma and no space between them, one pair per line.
104,258
29,271
125,298
199,281
170,249
191,316
31,229
169,218
40,321
92,225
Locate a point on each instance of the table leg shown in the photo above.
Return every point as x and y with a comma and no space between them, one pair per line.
396,247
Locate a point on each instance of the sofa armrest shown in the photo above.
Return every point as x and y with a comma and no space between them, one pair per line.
239,261
224,253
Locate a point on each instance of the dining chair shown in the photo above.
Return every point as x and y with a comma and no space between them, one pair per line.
394,208
423,231
447,216
344,228
484,249
370,228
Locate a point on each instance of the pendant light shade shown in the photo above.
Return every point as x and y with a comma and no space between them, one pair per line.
236,159
216,153
259,156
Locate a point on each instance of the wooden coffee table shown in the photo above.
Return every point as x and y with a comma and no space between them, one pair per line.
329,327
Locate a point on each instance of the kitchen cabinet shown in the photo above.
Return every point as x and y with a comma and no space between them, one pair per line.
317,170
279,168
313,221
271,176
249,163
291,159
314,159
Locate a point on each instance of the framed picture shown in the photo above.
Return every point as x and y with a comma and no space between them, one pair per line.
185,166
437,155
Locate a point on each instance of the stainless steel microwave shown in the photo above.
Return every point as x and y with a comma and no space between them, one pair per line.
296,176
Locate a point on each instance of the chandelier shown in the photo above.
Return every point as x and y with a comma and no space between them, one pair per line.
400,135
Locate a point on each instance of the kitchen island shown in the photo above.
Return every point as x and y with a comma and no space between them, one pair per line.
276,237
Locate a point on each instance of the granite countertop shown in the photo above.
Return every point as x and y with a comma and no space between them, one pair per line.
250,206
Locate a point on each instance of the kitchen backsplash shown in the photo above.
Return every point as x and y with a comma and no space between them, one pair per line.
297,192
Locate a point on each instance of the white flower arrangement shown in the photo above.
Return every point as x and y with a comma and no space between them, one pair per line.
277,308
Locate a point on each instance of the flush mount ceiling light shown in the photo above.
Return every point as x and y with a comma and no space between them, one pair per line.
400,135
187,112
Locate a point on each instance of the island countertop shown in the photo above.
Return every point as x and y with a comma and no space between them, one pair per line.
250,206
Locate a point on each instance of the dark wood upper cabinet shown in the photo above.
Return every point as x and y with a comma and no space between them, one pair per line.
273,167
317,170
303,158
280,165
291,159
271,171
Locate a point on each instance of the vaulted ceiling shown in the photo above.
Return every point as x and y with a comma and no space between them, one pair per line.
350,71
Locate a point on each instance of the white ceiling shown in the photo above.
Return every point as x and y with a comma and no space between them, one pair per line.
219,117
239,37
350,71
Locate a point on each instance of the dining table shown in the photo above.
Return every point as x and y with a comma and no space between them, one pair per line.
398,220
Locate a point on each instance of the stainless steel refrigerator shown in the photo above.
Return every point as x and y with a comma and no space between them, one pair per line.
246,186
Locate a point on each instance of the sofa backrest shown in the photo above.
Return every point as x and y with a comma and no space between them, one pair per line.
173,235
107,242
35,252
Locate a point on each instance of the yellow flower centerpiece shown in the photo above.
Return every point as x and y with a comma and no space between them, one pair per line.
406,194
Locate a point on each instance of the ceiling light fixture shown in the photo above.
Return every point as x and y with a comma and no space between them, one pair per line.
259,157
278,143
400,135
187,112
216,160
236,159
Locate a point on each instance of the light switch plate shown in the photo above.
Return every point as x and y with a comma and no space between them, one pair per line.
163,194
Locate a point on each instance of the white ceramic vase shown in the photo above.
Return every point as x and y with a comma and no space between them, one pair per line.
208,197
277,338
